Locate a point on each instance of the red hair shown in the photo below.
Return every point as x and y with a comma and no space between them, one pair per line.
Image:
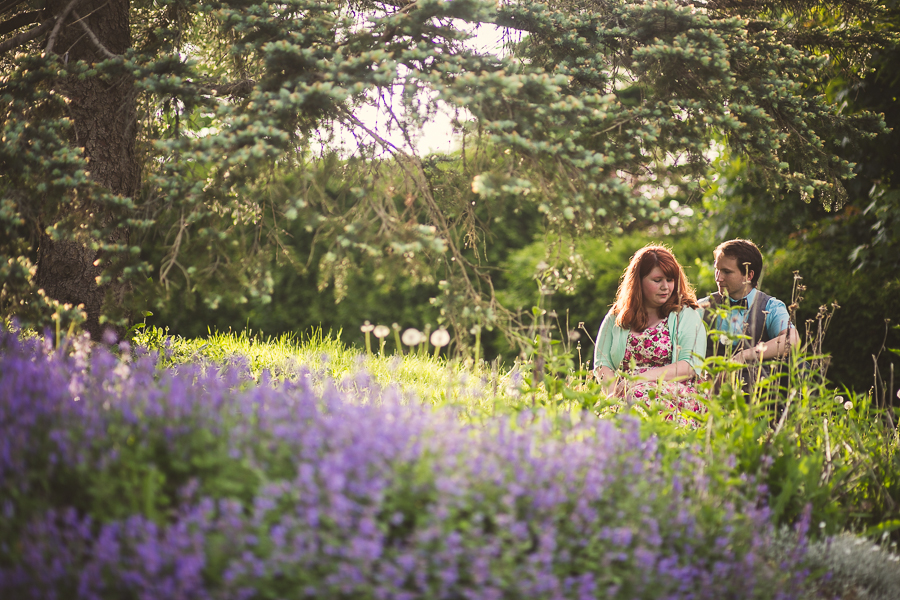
629,307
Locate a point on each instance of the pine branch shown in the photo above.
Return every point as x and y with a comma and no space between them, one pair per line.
25,37
19,21
59,23
94,39
6,5
240,88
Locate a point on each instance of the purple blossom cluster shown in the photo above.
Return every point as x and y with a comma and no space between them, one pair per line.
119,479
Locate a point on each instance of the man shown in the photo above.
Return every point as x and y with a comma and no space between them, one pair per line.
764,319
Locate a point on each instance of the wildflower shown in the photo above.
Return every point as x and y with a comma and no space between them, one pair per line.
381,332
848,405
440,338
412,337
366,328
396,328
838,399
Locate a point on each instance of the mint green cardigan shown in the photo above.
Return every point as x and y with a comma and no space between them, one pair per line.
686,329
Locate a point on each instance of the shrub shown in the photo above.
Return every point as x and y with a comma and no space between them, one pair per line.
120,480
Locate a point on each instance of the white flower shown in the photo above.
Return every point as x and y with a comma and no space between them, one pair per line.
838,399
440,338
412,337
366,327
848,405
381,331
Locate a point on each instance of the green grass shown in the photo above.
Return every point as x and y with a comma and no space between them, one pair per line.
473,391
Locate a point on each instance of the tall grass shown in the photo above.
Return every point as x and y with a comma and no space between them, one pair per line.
474,390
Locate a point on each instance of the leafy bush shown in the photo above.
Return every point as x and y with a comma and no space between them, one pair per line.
121,480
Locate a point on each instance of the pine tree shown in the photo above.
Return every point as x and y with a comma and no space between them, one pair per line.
201,127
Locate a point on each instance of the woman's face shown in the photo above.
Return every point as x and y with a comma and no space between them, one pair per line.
657,288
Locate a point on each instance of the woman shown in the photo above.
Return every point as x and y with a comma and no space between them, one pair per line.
656,326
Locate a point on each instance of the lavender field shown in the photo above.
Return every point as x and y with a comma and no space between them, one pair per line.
122,479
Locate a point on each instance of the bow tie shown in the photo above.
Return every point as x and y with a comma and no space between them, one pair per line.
742,302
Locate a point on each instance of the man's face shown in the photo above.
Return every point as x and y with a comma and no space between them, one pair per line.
730,277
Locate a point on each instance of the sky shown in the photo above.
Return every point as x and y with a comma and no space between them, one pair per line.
437,134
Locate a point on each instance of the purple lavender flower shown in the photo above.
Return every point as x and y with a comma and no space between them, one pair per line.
121,479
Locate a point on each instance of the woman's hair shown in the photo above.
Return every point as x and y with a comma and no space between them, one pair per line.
629,305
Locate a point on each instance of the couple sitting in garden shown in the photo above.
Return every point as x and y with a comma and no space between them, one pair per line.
656,331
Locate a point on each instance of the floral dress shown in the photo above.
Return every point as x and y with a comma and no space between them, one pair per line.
653,348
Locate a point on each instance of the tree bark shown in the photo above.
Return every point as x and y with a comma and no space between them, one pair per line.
103,111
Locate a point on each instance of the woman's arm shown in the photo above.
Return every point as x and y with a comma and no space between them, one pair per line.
604,362
690,339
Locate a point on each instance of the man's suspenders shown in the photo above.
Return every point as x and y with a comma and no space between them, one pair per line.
754,325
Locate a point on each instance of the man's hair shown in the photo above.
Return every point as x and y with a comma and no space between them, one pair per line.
629,306
745,253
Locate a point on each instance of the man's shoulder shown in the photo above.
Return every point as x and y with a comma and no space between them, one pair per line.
773,303
778,317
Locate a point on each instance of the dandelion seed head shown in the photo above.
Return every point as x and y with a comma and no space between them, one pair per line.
440,338
848,405
412,337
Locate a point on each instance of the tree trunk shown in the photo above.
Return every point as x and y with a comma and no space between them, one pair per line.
103,111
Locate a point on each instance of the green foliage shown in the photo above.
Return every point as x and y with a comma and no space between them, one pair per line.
243,106
846,252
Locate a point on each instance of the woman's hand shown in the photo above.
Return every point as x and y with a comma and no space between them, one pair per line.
606,377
